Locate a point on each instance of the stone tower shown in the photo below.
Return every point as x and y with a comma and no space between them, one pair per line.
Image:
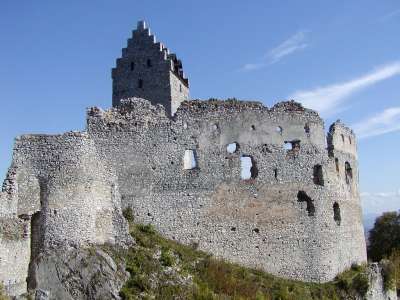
148,70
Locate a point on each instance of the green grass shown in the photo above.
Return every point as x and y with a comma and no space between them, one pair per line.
164,269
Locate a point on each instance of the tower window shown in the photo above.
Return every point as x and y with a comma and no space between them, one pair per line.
149,63
132,66
348,172
140,83
180,88
336,213
318,175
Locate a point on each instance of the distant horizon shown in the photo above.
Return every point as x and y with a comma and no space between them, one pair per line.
340,59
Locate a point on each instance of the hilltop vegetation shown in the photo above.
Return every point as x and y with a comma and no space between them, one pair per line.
384,244
164,269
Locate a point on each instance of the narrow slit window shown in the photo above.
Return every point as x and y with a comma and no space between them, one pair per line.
140,83
337,164
336,213
307,129
132,66
318,176
149,64
348,171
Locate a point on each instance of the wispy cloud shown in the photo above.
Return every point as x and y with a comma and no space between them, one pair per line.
381,123
293,44
327,99
391,15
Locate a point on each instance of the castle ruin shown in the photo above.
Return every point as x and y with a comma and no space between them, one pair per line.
262,187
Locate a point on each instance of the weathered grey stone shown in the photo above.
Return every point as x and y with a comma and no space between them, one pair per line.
75,274
376,289
42,295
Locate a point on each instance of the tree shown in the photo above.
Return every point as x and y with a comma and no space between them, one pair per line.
384,237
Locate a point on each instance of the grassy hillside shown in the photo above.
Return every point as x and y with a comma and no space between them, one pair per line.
164,269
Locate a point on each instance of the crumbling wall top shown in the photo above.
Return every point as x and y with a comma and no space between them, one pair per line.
130,113
341,138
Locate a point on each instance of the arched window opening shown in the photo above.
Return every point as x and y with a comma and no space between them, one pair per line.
140,83
303,197
336,213
276,173
318,175
180,88
342,138
132,66
189,160
350,140
248,168
232,147
348,171
337,164
148,63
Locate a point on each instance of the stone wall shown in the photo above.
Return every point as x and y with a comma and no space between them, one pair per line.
284,220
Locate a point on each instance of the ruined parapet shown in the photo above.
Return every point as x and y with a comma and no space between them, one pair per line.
131,114
283,125
341,139
148,70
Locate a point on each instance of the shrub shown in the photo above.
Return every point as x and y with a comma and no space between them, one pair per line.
128,214
388,274
395,259
384,237
361,283
167,259
354,280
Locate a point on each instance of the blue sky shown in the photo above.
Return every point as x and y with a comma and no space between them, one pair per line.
340,57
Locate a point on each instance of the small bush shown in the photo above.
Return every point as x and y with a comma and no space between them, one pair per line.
166,258
388,274
395,259
128,214
148,228
354,280
361,283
